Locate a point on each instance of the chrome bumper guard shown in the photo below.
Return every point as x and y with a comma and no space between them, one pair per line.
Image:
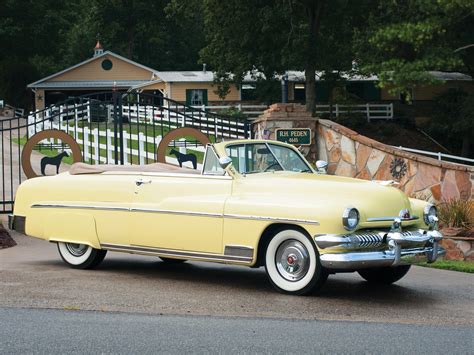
401,247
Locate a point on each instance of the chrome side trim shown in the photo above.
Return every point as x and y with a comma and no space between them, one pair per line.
391,219
134,249
187,213
81,207
238,250
277,219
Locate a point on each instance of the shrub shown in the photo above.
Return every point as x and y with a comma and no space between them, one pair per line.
457,213
233,112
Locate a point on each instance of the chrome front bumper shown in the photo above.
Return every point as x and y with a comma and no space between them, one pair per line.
399,247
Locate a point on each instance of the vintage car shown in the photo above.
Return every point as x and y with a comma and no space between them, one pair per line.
255,203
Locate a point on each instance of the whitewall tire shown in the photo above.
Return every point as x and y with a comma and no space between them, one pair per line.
81,256
292,263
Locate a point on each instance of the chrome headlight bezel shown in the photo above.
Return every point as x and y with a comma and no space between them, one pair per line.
430,215
348,216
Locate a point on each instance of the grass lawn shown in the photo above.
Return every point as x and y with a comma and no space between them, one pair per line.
454,265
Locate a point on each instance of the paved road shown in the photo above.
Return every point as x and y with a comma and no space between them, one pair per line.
61,332
33,275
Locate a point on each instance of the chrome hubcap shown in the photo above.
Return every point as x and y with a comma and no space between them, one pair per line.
76,249
292,260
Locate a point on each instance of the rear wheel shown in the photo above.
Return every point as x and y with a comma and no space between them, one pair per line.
292,263
384,275
81,256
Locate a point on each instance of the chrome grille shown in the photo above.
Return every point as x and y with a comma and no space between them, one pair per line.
366,240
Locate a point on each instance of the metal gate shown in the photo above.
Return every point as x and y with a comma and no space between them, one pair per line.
107,128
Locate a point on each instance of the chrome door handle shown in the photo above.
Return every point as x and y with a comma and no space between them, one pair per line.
140,182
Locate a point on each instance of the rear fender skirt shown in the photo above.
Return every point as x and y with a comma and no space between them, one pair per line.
71,227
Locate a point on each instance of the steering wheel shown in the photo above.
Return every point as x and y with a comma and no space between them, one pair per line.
271,166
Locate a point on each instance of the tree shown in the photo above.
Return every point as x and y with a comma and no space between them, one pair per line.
404,40
268,37
33,36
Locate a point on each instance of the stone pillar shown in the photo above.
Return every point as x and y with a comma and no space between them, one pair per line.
287,116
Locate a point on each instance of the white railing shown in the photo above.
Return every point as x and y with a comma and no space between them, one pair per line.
371,111
249,110
170,118
438,155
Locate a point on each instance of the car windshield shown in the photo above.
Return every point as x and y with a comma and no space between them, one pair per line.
264,157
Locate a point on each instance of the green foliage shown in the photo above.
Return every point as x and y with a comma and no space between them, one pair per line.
453,120
457,213
404,40
453,265
270,37
233,112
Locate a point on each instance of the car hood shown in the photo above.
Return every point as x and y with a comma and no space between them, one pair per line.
326,195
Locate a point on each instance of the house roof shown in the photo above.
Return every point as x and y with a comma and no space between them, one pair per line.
37,83
186,76
293,76
90,84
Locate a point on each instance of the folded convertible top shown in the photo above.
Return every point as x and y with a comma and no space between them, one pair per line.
82,168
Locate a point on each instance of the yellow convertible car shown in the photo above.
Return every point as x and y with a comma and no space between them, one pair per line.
255,203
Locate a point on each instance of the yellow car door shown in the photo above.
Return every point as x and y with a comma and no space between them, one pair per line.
179,211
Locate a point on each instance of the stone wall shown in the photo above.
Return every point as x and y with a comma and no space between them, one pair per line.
351,154
287,116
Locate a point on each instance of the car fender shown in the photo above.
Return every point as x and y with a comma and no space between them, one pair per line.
71,227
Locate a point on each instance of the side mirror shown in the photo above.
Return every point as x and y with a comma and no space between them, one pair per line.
224,162
322,166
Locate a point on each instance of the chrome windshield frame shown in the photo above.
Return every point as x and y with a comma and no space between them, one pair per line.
267,144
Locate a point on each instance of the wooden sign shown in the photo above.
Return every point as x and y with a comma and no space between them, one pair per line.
296,136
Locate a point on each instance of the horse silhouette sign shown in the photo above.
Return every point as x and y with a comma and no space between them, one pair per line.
55,161
56,142
182,158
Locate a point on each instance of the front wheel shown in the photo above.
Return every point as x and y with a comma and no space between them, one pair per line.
292,263
80,256
384,275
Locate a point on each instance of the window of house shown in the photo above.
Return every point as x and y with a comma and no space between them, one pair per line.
196,97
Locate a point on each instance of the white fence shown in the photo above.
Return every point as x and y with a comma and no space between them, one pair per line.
249,110
440,156
176,118
168,117
97,145
371,111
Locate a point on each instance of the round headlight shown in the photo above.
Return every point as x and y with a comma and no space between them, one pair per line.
350,218
430,215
